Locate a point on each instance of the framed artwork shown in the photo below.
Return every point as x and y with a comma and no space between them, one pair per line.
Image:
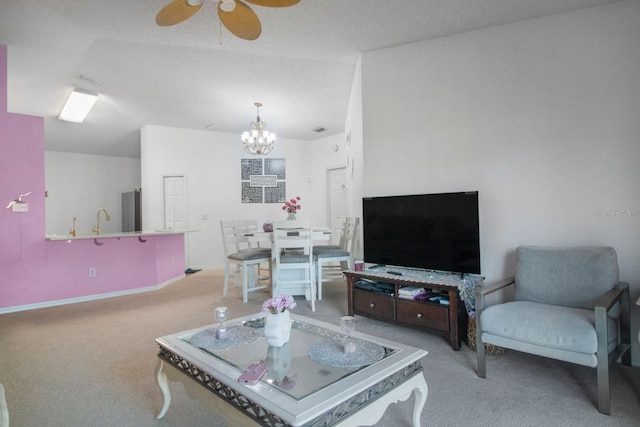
251,194
250,167
275,167
276,194
262,180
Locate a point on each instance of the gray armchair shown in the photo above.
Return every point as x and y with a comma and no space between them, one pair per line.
568,305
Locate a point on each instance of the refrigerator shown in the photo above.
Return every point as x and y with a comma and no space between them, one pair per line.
131,210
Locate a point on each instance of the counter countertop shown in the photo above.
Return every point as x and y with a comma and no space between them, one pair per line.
117,235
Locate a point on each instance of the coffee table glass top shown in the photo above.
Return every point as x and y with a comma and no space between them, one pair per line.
311,361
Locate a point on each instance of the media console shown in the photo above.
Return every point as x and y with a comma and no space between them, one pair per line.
386,295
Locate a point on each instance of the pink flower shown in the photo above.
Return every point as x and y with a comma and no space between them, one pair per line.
292,205
279,304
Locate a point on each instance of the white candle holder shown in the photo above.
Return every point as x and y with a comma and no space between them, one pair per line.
348,325
221,316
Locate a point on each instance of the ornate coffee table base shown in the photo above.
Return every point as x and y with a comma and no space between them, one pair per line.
372,414
356,411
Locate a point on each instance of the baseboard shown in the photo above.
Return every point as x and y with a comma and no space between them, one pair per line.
89,297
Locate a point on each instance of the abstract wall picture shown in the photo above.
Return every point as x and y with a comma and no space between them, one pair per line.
251,194
262,180
250,167
276,167
276,194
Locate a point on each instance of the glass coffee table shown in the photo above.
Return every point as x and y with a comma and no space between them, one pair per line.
310,381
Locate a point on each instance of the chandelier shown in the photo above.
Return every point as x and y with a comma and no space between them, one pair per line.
258,140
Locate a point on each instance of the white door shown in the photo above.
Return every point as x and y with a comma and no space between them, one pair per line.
337,198
174,208
174,203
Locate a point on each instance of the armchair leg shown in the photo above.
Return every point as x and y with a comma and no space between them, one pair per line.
481,369
602,355
604,401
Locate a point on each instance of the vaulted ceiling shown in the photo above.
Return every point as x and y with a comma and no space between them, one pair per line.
198,75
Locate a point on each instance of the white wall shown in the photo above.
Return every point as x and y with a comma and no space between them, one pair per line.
78,185
540,116
354,148
210,161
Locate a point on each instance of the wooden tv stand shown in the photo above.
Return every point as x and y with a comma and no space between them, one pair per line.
447,320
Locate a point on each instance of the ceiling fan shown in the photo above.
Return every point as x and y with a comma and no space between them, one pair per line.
236,16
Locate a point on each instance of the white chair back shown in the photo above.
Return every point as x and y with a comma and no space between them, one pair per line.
292,249
351,235
234,234
332,261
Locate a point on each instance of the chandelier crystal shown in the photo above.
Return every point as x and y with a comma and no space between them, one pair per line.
257,140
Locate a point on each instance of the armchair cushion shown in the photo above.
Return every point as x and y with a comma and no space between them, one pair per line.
556,327
572,277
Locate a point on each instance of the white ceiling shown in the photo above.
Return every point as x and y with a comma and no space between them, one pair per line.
195,74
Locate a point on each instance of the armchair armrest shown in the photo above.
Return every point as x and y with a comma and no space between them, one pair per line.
608,300
495,286
616,300
481,292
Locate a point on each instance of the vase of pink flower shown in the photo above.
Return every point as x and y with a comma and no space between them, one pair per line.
292,207
277,322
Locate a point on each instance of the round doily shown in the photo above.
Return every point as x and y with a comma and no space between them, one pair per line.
236,336
329,353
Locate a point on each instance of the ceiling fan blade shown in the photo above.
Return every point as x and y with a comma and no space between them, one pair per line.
176,12
274,3
241,22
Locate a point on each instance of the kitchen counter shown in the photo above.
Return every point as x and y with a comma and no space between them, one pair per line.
118,235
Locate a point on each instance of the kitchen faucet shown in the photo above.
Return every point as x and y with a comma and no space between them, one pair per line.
73,230
96,229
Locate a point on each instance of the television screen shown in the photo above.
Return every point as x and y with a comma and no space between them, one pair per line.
428,231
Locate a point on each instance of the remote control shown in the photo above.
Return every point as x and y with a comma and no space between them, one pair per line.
254,372
395,273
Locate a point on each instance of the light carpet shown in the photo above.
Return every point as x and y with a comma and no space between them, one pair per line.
92,364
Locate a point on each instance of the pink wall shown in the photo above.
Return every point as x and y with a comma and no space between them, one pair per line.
36,271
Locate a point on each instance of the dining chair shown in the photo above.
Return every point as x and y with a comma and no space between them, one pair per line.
332,261
344,229
293,250
241,260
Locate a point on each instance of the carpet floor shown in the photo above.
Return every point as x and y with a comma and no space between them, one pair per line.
92,364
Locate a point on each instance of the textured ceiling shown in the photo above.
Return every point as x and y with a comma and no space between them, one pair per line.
196,74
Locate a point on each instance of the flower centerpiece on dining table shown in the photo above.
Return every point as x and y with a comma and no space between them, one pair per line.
292,207
277,322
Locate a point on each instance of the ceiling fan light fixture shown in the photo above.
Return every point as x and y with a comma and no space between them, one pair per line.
258,141
78,106
195,2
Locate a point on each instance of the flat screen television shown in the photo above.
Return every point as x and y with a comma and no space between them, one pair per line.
427,231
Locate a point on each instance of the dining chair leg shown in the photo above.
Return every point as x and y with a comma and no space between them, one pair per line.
225,290
245,283
319,279
274,284
312,290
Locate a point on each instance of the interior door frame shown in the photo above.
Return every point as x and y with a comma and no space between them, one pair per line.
185,210
328,171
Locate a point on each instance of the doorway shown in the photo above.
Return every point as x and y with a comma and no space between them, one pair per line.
337,200
174,196
174,202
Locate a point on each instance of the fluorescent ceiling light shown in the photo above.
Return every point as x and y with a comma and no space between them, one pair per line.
78,105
